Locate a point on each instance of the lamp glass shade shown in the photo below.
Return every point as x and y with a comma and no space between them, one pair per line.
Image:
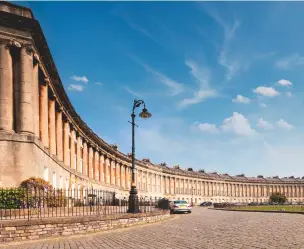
145,114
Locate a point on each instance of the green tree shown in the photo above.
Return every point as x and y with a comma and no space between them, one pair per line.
278,198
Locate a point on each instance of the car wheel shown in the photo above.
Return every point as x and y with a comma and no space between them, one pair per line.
189,212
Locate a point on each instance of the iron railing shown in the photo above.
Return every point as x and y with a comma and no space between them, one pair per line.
27,204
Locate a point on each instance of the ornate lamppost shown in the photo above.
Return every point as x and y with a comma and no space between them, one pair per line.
133,198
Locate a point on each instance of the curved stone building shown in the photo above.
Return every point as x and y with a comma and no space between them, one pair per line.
42,135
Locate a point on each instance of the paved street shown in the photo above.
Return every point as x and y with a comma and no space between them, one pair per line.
202,229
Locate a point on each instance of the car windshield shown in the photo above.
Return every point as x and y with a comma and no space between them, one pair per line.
180,202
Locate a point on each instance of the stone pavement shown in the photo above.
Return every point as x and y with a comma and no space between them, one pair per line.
203,228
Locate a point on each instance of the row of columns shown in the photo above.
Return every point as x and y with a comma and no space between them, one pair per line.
28,105
153,182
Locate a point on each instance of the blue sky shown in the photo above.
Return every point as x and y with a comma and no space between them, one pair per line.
224,81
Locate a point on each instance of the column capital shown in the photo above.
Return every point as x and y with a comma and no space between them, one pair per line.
28,47
10,42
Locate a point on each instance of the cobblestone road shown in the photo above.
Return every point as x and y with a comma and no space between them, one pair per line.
202,229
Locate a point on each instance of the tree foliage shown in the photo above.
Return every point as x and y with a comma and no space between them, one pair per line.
278,198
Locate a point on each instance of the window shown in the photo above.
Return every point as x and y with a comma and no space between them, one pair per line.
60,182
73,190
54,180
46,173
180,202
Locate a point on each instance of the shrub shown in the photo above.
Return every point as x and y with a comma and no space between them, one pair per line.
12,198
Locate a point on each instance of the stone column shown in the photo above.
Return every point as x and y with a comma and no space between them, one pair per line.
106,166
66,150
85,159
91,163
26,116
101,168
43,113
59,134
52,129
126,176
122,176
6,89
112,172
96,166
36,95
78,155
73,150
117,180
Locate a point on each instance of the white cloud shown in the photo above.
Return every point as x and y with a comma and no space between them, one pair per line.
288,94
99,83
266,91
80,78
136,94
290,62
74,87
284,124
241,99
238,124
263,105
264,124
283,82
210,128
199,97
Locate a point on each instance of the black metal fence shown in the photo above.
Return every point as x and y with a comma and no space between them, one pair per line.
21,203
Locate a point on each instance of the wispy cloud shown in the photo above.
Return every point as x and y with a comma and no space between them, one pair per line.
174,87
99,83
288,94
83,79
289,62
199,96
263,105
264,124
135,26
231,64
74,87
136,94
204,91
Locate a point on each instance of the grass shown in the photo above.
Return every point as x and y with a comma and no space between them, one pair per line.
286,208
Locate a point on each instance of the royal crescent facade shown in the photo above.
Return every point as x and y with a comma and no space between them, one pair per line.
42,135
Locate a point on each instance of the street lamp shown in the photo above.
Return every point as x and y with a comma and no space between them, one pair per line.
133,198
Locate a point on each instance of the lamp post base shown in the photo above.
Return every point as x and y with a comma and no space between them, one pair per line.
133,201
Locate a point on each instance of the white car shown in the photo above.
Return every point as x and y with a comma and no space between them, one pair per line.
181,206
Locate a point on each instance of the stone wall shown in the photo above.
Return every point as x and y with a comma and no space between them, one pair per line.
17,230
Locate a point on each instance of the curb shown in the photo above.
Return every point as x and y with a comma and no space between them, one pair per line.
258,211
94,233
